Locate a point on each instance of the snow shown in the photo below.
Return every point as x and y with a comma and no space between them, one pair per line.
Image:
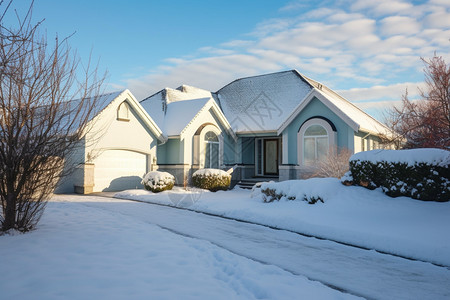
411,156
262,103
174,109
211,172
84,252
158,179
349,214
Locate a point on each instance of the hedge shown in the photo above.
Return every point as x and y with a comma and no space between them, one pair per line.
424,179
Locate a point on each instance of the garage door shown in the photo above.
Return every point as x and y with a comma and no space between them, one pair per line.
117,170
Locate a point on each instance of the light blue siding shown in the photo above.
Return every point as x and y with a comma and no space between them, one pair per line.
314,109
169,153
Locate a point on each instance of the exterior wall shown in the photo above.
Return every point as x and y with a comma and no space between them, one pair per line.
169,153
72,165
110,133
116,130
315,108
248,150
364,142
182,156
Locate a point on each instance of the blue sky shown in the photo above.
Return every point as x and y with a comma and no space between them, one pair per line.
366,50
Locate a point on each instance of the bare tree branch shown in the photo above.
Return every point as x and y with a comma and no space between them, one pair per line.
45,110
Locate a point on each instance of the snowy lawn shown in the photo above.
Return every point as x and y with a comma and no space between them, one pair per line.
81,252
355,215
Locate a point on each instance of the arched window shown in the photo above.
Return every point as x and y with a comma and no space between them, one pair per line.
211,150
123,112
315,138
315,141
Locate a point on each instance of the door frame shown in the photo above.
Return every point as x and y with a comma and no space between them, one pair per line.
276,155
261,157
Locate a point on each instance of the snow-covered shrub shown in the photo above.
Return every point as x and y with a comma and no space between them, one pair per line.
157,181
419,173
211,179
310,190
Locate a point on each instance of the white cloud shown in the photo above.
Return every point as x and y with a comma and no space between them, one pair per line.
371,43
399,25
380,92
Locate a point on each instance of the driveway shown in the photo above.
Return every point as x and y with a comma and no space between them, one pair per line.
357,271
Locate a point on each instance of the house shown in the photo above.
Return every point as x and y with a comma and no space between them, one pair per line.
117,151
276,125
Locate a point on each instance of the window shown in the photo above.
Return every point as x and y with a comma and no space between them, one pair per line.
315,138
123,112
315,144
211,150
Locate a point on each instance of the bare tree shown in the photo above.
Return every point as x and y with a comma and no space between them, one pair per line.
426,122
335,164
41,123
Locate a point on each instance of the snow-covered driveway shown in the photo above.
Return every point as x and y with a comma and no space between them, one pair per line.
360,272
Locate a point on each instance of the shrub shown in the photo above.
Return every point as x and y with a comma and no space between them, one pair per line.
211,179
157,181
310,190
422,174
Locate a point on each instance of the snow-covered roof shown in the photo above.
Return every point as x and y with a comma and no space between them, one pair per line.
175,109
364,121
104,100
261,103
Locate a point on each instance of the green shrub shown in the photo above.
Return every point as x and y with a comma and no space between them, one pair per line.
157,181
271,194
423,180
211,179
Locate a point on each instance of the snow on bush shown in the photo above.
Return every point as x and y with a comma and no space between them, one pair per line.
211,179
157,181
410,157
310,190
418,173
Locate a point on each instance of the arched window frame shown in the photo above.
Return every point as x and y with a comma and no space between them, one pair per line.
202,144
332,137
123,112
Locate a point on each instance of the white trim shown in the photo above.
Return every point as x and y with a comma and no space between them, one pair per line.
322,98
332,136
143,115
219,114
285,148
202,145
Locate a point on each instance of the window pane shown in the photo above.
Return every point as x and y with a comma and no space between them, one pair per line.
214,155
259,152
309,150
211,137
315,130
208,155
322,148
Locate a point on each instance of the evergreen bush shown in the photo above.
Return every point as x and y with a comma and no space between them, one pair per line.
157,181
427,180
211,179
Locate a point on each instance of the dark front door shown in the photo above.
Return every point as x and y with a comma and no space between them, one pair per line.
271,157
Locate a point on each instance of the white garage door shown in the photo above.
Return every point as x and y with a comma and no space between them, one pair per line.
117,170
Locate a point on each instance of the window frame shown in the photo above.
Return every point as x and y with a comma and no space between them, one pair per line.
331,136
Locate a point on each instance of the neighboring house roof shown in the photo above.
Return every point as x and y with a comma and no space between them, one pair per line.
103,101
357,119
261,103
175,109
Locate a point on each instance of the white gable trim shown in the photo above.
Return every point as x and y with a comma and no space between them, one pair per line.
219,114
145,117
315,93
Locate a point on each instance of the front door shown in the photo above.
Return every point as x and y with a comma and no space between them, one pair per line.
271,157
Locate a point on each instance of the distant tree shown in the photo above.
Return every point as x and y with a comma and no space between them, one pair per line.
40,122
424,123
